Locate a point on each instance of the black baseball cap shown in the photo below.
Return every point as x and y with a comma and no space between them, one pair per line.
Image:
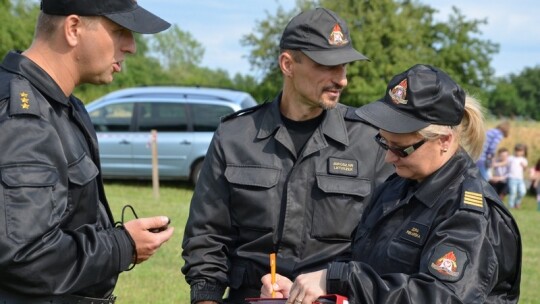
322,36
126,13
421,96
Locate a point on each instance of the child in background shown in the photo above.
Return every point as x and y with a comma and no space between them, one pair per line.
535,180
499,175
517,164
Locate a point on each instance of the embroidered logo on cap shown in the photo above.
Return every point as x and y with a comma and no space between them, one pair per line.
336,36
399,93
25,102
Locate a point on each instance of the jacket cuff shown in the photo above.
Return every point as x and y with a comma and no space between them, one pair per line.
337,277
125,248
206,291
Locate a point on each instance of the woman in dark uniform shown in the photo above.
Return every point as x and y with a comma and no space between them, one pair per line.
435,232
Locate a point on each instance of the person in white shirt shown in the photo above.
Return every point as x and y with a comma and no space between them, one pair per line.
517,164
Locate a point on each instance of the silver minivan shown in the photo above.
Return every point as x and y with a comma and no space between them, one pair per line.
185,119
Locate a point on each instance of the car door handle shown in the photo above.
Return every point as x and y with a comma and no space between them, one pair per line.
185,142
124,142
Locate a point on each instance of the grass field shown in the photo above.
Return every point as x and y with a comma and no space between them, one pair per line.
159,280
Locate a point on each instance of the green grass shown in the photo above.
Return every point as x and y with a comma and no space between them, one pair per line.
159,279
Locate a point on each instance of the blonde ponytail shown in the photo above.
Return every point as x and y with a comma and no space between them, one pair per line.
471,130
470,133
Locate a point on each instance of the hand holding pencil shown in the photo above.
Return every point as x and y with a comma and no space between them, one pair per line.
275,286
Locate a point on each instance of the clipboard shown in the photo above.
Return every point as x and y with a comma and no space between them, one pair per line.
326,299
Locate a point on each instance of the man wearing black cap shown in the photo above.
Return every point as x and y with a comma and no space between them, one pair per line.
291,176
57,240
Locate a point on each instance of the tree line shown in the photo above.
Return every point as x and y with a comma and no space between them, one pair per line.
393,34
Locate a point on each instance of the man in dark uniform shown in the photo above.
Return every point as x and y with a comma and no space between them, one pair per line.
291,176
57,240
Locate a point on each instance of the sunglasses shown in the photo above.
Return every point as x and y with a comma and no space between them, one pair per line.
401,152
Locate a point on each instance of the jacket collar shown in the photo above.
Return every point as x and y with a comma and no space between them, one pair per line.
447,177
19,64
333,124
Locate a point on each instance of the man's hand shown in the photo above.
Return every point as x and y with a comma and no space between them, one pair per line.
146,242
281,287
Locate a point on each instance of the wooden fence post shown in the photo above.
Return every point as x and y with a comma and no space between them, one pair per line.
155,170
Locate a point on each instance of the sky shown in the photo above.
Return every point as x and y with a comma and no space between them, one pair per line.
219,25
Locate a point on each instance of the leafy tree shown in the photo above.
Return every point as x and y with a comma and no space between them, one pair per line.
177,49
517,95
394,35
17,27
264,40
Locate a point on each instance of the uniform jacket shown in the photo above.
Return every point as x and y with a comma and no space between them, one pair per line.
255,196
448,239
56,234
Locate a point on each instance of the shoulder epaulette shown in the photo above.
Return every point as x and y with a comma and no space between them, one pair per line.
242,112
22,100
473,195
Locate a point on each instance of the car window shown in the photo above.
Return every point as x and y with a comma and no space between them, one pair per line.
112,118
206,117
162,116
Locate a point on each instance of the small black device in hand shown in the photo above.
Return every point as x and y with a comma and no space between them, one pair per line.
162,228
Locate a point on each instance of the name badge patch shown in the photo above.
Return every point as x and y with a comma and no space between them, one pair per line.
415,233
339,166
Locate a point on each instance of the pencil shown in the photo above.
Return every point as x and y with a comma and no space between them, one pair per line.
273,272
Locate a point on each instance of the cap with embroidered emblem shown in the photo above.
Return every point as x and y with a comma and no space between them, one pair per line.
126,13
416,98
322,36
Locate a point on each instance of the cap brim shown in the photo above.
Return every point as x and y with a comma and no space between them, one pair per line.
385,117
140,20
333,57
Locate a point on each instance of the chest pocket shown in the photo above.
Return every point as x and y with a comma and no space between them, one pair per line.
30,204
83,171
255,199
404,251
82,196
339,206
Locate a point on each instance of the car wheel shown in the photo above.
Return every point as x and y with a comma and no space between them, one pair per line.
196,172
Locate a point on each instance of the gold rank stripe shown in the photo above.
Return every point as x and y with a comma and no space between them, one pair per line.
473,198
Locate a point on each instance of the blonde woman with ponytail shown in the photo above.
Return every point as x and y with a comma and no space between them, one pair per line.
435,231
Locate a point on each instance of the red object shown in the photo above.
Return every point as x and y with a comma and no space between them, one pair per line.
326,299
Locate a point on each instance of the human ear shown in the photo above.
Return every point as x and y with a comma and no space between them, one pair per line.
286,63
72,29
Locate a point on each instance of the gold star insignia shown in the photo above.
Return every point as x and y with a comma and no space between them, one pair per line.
24,100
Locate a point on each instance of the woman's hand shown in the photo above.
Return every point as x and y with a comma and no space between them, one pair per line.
307,288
